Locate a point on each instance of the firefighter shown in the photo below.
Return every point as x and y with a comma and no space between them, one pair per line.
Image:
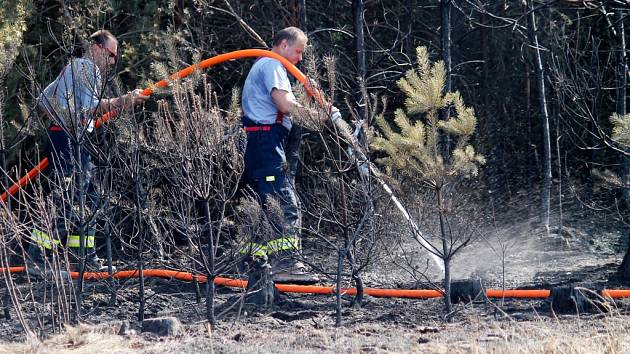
71,103
272,153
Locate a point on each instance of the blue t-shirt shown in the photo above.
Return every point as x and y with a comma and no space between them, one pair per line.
74,95
265,75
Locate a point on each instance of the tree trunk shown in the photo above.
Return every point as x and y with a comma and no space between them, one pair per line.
559,162
3,159
540,78
139,198
445,41
112,282
191,246
622,77
529,150
348,245
80,175
359,40
298,9
302,14
446,251
141,292
340,257
211,263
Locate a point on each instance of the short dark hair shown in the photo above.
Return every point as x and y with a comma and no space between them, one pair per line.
291,34
101,37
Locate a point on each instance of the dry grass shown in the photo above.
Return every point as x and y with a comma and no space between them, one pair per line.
265,334
545,335
81,339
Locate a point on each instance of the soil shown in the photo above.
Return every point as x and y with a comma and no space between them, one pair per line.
585,256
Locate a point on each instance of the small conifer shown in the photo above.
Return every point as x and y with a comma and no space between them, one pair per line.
412,145
621,138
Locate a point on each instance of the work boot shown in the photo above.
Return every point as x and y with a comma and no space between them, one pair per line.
34,262
260,286
36,267
95,264
286,268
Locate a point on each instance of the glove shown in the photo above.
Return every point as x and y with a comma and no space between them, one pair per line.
136,97
335,115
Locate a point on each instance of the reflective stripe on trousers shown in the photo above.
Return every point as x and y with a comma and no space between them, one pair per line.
253,249
74,241
43,239
273,246
283,244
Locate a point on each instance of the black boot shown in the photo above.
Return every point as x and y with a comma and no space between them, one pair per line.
37,268
93,263
34,262
287,268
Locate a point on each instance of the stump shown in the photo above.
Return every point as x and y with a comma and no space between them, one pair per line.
567,299
466,290
163,326
260,286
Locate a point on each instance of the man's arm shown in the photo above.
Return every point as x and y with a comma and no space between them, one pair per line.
286,102
120,103
85,78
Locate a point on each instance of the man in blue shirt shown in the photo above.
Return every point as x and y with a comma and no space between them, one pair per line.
71,103
272,152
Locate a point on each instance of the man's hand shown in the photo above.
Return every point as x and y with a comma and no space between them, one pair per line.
136,97
335,115
125,101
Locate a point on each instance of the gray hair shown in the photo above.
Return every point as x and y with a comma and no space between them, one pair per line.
102,36
291,34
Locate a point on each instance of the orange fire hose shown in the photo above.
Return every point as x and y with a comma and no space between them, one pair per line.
524,294
207,63
615,293
323,290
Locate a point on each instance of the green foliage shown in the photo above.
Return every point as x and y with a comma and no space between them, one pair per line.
608,179
621,136
621,129
412,146
12,26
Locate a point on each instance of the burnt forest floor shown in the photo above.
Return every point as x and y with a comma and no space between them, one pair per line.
582,254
